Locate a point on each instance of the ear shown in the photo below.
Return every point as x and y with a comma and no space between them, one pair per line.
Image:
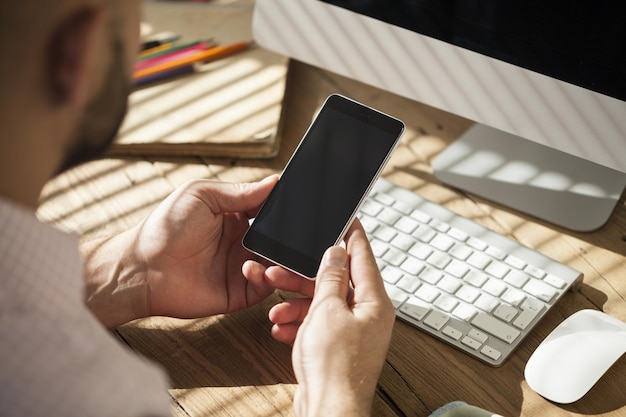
74,50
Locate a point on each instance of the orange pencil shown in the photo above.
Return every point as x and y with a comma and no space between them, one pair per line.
208,55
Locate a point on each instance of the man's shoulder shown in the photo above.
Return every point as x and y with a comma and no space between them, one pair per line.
74,366
55,357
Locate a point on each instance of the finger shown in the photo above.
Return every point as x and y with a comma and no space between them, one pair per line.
222,197
285,333
283,279
290,311
254,273
333,278
365,275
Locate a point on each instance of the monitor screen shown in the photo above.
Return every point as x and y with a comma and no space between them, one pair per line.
577,43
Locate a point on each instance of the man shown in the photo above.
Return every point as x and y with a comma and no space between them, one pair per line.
64,82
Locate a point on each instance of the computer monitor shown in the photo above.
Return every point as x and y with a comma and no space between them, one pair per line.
545,83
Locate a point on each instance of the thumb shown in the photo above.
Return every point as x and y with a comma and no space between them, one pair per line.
333,278
232,197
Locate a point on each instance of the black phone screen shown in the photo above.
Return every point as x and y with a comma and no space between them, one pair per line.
323,184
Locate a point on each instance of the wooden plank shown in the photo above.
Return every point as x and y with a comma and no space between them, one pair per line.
222,365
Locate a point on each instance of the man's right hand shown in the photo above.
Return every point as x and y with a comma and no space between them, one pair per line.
341,336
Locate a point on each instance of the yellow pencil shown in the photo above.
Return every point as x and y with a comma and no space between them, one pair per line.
157,49
203,56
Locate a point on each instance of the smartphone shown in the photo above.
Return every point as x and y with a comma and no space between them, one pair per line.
323,185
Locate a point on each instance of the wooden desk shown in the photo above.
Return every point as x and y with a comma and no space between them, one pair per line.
230,366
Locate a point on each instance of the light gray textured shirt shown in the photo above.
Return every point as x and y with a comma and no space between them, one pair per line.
56,359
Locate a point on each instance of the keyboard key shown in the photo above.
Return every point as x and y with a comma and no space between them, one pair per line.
478,335
396,295
464,312
449,284
532,304
457,268
497,269
495,327
513,297
409,283
403,242
446,303
540,290
476,278
430,275
535,271
415,308
457,234
378,247
491,352
424,233
452,332
515,262
380,264
436,320
474,344
384,199
479,260
516,278
427,293
439,225
371,207
497,253
461,251
505,312
385,233
412,266
420,216
389,217
394,256
526,317
494,287
487,302
468,294
402,208
442,242
477,243
439,260
369,224
555,281
391,275
406,225
420,251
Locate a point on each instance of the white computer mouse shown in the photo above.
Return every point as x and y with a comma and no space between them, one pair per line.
575,355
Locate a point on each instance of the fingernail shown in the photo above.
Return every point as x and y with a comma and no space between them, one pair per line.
337,256
271,178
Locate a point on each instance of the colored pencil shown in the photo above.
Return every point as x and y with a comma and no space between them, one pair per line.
170,55
156,49
164,75
173,48
204,56
162,39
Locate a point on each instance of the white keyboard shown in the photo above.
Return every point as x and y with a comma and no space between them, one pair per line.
457,280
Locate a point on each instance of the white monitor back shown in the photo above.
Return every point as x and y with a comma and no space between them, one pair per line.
584,124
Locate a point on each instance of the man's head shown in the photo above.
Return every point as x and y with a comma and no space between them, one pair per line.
102,115
64,85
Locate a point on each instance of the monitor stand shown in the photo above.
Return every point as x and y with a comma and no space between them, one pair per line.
538,180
